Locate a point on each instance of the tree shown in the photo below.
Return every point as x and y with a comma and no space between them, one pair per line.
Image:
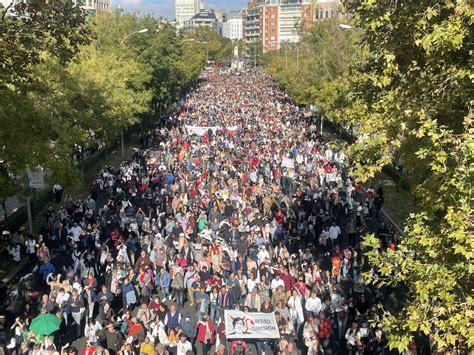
33,33
414,98
56,27
322,57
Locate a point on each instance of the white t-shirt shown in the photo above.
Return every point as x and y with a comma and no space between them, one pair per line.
30,246
275,283
62,298
76,232
183,348
251,284
313,305
334,232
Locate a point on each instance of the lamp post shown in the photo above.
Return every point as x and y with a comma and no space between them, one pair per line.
297,58
344,26
143,30
122,42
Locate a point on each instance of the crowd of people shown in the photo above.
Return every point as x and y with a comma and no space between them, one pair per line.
236,203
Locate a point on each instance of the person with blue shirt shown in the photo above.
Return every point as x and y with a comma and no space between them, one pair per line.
46,269
163,279
202,301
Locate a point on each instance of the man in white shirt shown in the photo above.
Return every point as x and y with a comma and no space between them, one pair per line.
334,233
183,345
76,231
313,304
277,282
62,300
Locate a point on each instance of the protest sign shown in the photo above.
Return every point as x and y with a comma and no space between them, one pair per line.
250,325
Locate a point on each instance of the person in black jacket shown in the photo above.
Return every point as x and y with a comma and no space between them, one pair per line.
77,309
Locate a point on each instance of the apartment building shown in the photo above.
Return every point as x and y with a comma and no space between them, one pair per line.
185,10
232,26
273,22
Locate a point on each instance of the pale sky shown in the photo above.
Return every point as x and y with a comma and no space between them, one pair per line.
165,8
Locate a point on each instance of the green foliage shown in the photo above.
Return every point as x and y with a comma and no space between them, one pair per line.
219,48
38,32
65,81
407,94
311,68
57,28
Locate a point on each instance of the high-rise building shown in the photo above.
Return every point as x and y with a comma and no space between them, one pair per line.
185,10
252,23
232,26
273,22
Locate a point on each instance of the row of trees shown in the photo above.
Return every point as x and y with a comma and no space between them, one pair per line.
401,76
66,80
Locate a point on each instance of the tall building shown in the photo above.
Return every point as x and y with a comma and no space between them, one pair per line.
204,18
185,10
273,22
232,27
93,7
252,21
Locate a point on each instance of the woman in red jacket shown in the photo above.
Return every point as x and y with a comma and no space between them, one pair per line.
206,336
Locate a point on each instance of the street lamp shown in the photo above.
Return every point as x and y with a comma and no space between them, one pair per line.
344,26
143,30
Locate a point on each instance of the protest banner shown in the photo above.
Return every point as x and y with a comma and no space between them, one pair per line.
200,130
250,325
287,163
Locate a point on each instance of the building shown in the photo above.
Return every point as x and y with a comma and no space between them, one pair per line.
185,10
252,21
93,7
326,9
232,27
206,18
273,22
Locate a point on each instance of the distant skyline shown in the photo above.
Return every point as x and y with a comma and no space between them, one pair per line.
165,8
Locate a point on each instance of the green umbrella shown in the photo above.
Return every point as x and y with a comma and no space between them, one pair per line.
45,324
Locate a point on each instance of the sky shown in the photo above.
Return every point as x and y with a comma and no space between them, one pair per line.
165,8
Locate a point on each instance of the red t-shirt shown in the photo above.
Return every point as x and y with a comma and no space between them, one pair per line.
287,280
88,350
325,329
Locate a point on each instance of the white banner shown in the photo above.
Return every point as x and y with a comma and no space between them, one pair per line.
200,130
288,163
232,129
250,325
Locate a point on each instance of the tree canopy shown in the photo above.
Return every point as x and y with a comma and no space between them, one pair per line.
66,80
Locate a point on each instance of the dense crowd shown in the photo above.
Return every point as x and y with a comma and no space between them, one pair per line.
254,212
